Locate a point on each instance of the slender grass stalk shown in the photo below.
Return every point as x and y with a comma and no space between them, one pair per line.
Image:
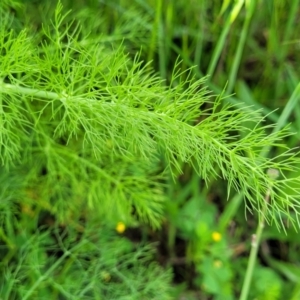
293,13
241,45
155,31
200,38
222,39
218,49
256,238
161,42
288,109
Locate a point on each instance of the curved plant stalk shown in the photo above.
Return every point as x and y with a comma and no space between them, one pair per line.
256,238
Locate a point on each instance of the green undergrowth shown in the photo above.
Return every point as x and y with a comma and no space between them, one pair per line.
102,124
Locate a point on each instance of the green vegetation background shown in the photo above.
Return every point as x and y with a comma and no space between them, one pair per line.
109,123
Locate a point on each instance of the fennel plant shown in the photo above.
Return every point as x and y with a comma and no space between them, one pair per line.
89,132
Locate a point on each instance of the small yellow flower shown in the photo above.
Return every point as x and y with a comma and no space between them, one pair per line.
120,228
216,236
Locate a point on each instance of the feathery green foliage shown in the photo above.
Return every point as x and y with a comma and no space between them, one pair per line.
89,131
98,123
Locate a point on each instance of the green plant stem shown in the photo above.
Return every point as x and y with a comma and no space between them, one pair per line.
29,91
256,238
252,259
